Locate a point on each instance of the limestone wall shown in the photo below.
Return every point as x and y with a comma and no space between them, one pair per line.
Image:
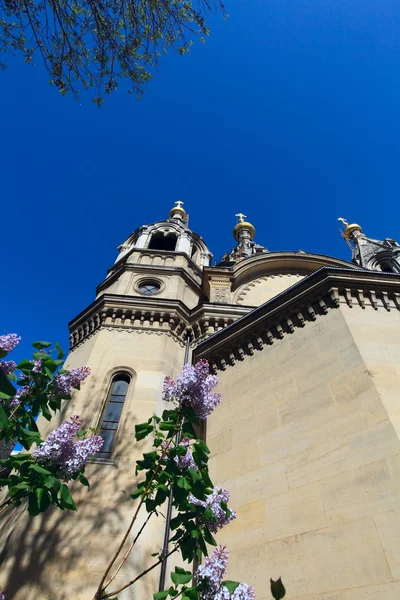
60,556
306,446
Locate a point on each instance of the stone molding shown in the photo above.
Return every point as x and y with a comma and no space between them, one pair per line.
158,316
312,297
193,281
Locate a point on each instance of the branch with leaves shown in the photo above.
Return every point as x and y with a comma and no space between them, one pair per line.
94,44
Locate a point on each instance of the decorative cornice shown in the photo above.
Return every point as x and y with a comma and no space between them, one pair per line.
311,297
152,316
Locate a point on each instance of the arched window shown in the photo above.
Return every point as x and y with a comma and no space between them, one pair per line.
159,241
112,414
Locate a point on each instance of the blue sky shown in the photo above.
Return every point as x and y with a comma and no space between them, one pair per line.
289,113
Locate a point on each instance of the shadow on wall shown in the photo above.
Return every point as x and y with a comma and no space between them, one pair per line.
62,555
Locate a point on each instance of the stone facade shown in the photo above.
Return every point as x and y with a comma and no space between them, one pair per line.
306,438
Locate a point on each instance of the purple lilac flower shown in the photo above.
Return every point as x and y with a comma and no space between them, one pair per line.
62,451
64,382
37,366
208,579
18,398
3,596
8,367
9,341
185,461
243,592
213,501
209,576
193,388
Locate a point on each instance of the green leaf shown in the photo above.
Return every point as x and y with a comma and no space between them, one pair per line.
4,422
180,577
190,594
161,595
143,430
49,373
195,475
138,492
39,469
33,507
41,356
43,500
83,480
40,345
27,438
52,483
277,589
6,387
25,365
231,585
184,484
65,498
208,537
60,353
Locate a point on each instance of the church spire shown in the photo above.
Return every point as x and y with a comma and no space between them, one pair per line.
377,255
244,233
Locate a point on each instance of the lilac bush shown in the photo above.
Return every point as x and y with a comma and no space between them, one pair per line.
62,451
29,389
193,388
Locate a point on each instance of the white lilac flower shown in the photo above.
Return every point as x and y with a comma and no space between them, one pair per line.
193,388
213,501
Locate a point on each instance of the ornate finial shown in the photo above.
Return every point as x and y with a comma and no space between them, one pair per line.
177,212
243,225
351,231
241,217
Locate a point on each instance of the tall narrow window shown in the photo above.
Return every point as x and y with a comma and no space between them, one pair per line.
112,414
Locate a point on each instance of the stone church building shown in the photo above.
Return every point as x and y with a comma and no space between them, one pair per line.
306,439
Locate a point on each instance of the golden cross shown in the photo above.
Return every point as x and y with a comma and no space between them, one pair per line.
241,217
344,221
179,203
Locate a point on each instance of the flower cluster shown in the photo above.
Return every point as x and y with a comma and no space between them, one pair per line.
193,388
209,576
64,382
8,367
214,501
9,341
19,396
185,461
37,366
62,451
3,596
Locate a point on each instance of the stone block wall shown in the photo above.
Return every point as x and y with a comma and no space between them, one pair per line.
306,443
